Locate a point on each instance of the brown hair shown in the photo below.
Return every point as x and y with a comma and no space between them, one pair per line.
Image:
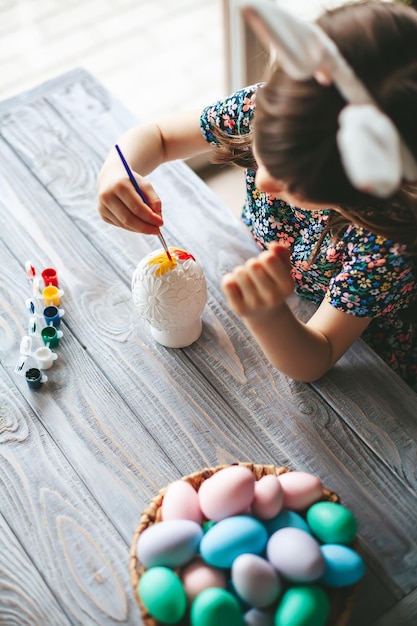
296,122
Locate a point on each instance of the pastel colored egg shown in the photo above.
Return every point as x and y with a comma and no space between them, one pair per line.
231,537
300,489
207,525
197,576
286,519
268,497
214,607
343,566
171,543
228,492
181,502
244,606
303,606
296,555
259,617
163,595
255,580
331,522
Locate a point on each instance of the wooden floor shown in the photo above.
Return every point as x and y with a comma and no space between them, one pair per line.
155,55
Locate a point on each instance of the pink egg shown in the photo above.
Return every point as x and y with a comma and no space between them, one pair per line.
268,497
228,492
181,502
197,576
300,490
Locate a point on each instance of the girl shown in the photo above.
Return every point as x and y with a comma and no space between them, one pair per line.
343,236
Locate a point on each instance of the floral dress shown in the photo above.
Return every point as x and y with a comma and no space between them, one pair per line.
362,274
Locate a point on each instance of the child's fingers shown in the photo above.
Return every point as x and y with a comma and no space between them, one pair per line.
263,283
267,284
152,198
277,264
119,215
280,251
149,213
234,292
249,289
122,206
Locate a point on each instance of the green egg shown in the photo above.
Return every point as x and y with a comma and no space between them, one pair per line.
213,607
207,525
163,595
331,522
303,606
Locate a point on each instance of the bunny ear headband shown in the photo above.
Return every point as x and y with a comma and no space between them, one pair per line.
374,156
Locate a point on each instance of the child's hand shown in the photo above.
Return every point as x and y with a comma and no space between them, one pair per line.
120,205
261,285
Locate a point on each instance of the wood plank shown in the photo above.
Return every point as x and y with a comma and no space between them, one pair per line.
403,614
80,556
378,405
103,118
373,600
19,603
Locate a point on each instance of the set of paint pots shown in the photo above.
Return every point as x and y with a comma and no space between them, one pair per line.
44,333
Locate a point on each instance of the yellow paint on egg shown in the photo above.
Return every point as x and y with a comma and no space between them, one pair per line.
165,264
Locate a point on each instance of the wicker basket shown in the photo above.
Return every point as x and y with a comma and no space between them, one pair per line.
342,600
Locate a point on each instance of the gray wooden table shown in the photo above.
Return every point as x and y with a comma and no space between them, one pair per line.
121,416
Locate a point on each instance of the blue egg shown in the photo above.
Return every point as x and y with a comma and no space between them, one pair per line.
286,519
342,565
231,537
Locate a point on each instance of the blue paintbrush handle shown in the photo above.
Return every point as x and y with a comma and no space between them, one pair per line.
130,174
140,192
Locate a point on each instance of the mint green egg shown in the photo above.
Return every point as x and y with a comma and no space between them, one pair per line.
207,525
303,606
215,606
332,523
162,594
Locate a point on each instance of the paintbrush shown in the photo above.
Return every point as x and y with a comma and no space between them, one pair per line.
140,192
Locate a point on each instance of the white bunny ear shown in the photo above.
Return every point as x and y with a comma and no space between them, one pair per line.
303,48
373,154
370,150
299,45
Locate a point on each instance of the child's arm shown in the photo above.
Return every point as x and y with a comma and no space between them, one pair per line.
145,147
257,291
